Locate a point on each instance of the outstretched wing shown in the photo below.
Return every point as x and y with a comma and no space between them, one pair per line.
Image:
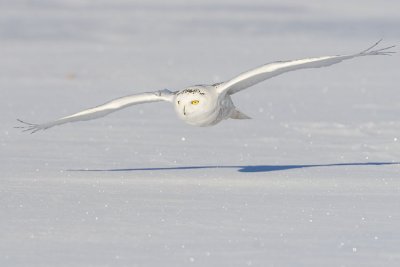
102,110
254,76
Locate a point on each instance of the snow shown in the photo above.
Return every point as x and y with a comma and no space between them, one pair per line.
311,180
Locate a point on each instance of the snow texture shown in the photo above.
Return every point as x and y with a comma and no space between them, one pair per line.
312,180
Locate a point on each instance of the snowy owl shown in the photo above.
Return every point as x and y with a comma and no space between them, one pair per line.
207,105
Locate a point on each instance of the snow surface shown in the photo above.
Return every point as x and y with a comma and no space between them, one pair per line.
312,180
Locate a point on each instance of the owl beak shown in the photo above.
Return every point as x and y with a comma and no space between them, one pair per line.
184,110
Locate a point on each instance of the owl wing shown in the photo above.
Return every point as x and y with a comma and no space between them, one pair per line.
102,110
254,76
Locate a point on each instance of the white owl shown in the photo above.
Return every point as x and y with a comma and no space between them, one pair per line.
206,105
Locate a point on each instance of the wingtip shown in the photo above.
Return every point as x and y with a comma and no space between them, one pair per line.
381,51
28,127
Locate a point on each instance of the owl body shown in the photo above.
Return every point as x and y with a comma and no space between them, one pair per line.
200,105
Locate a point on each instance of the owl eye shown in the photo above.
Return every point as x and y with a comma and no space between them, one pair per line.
195,102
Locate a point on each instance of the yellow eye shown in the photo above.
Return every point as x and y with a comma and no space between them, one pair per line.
195,102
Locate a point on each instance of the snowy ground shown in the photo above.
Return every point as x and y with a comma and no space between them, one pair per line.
312,180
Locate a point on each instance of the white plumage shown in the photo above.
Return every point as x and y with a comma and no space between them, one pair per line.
206,105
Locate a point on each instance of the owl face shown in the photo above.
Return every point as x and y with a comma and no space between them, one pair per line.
195,105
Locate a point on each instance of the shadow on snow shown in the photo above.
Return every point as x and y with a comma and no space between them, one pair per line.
246,168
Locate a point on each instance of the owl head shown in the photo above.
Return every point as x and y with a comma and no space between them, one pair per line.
195,105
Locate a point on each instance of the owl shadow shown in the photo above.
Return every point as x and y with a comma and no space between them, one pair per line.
244,168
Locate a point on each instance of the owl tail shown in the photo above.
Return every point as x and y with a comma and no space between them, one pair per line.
238,115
